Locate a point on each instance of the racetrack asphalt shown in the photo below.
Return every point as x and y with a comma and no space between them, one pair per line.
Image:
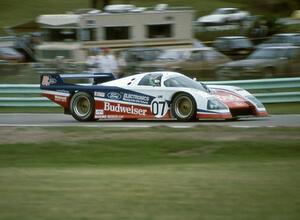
61,120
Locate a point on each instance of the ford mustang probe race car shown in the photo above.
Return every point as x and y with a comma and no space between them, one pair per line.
153,95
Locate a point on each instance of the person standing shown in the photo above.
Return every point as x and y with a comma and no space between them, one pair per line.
107,64
91,60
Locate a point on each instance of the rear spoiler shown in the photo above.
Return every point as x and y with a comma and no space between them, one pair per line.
57,79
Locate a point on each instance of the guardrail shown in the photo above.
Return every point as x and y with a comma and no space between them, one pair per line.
28,95
258,84
265,96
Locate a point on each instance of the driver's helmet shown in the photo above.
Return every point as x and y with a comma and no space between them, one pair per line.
155,80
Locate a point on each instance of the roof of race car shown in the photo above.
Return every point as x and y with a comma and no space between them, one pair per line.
137,77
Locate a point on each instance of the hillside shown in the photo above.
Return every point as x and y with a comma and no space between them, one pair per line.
14,12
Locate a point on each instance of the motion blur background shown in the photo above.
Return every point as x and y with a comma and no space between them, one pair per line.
232,39
194,171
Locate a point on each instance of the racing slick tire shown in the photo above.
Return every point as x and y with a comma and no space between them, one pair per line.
183,107
82,106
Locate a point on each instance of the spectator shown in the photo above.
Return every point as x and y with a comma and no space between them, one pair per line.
59,63
107,63
91,60
121,62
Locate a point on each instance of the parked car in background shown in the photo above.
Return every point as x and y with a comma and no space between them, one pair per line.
11,55
223,15
135,56
284,38
266,62
200,60
236,47
122,8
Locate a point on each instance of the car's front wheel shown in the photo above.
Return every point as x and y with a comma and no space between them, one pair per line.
183,107
82,106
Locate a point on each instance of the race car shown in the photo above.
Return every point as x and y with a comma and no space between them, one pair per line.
151,95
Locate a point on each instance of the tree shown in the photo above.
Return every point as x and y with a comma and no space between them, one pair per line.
95,3
283,7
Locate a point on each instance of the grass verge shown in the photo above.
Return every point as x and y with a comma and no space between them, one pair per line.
201,173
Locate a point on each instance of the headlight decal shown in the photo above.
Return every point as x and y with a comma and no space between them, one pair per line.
215,104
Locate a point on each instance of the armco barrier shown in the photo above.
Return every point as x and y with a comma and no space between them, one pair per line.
27,95
257,84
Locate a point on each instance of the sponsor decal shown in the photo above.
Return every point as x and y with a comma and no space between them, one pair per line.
63,91
124,109
159,107
141,99
101,116
99,112
114,95
229,98
46,81
59,98
99,94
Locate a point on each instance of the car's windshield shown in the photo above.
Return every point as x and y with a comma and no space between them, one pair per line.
141,55
173,55
8,51
240,43
280,39
224,11
296,40
274,53
186,82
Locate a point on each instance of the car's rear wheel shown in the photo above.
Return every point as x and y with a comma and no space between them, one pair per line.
82,106
183,107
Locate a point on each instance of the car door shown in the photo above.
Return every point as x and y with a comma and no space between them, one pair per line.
212,59
194,62
159,96
294,62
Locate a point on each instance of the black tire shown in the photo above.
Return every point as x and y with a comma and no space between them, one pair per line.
82,106
183,107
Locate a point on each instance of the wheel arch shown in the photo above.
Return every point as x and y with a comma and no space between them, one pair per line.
183,92
73,92
179,92
89,96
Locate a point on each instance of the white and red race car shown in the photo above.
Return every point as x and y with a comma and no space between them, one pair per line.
152,95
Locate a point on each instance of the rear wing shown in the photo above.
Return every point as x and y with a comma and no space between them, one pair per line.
54,79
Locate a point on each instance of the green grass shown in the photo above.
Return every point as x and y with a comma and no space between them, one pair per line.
31,110
283,108
201,173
